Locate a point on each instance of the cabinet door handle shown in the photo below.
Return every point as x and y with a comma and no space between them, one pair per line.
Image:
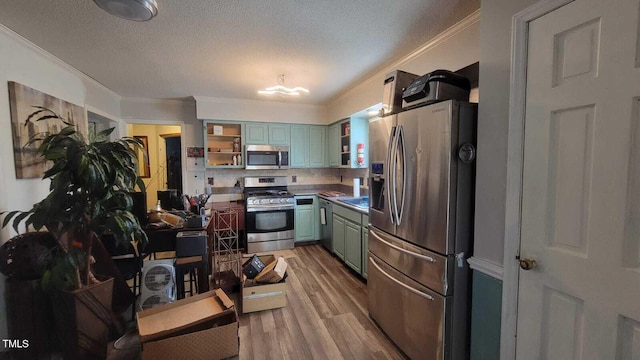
405,251
417,292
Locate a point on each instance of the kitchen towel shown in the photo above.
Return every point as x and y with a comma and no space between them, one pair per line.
356,187
323,216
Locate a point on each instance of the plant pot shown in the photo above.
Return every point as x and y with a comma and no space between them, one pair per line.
83,319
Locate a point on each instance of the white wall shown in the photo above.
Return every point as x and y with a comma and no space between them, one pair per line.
27,64
456,48
253,110
493,116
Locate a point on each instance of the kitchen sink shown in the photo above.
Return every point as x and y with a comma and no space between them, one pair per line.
360,202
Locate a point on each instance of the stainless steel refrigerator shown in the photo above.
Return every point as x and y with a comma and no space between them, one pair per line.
422,180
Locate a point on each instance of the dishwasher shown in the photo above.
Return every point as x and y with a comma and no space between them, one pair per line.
326,217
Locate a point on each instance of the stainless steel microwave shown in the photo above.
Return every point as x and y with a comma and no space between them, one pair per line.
258,157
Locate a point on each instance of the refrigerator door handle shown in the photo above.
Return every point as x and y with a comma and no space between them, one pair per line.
390,153
417,292
394,178
404,173
405,251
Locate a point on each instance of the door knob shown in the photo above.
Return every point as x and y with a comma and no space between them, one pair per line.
527,264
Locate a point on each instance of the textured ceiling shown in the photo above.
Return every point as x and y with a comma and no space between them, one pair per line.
233,48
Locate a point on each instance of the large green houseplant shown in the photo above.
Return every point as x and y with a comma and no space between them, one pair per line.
89,196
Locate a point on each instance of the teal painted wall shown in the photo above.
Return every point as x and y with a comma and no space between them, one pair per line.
486,307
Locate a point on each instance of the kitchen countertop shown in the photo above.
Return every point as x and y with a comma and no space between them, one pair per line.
316,190
335,199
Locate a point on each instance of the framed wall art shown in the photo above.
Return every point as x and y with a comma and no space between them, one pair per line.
22,100
195,152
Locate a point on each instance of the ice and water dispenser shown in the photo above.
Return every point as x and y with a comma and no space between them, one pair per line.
377,186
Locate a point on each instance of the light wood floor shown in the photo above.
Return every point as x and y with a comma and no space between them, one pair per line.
325,317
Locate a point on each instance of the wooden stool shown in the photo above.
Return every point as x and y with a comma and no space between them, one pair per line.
186,265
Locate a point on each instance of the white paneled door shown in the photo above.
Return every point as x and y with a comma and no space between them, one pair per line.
581,185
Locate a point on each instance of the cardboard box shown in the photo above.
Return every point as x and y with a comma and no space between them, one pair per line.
258,297
273,272
204,326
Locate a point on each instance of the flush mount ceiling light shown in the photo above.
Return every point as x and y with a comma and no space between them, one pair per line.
136,10
283,90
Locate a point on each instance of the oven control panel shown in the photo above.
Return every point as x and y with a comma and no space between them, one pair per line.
257,204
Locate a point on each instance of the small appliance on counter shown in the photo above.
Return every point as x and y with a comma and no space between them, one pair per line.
436,86
394,84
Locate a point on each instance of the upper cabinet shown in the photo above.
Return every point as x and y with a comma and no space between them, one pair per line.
266,134
333,142
223,144
299,153
279,134
308,144
256,133
348,142
317,146
343,144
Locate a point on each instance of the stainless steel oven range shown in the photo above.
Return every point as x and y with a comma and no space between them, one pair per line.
269,214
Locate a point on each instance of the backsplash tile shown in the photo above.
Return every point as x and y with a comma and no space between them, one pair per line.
227,178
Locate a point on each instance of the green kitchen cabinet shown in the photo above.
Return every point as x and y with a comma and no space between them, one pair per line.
344,139
256,133
333,140
317,146
260,133
306,219
308,146
349,236
279,134
353,245
338,227
299,154
304,229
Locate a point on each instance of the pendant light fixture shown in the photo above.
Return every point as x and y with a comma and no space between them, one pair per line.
136,10
283,90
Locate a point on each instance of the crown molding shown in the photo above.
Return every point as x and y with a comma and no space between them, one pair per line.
47,55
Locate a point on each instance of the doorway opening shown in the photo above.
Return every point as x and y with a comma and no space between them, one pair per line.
173,144
164,159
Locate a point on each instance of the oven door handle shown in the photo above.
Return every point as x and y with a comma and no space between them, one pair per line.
417,292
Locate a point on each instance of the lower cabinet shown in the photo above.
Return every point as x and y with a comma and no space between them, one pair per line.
339,225
350,238
306,218
353,246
